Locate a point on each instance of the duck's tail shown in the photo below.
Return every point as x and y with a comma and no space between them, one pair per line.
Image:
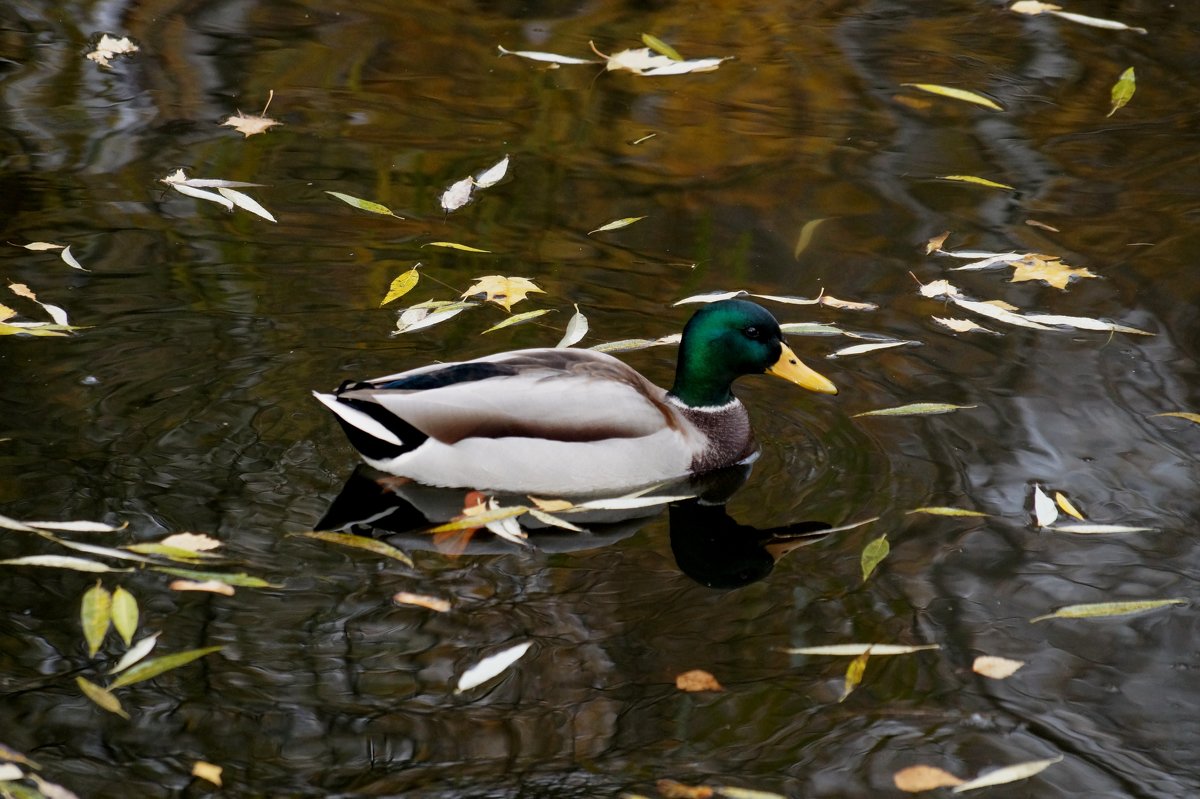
376,433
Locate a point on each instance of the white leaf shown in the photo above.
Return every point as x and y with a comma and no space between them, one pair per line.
854,650
1096,22
201,194
60,562
554,521
684,67
1000,776
963,325
787,300
246,203
553,58
10,771
13,524
860,349
1099,529
999,314
996,668
216,183
577,328
490,666
1085,323
990,261
1044,509
69,259
715,296
136,652
417,318
626,503
976,254
492,175
77,527
457,195
811,329
509,529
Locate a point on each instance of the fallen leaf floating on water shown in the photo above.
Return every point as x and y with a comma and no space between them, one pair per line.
403,284
642,62
935,243
57,314
1086,528
956,94
136,653
659,46
617,224
490,667
1045,512
102,696
457,194
1046,268
1097,610
61,562
873,554
492,175
944,511
854,674
823,299
577,328
1064,504
453,245
1042,225
78,526
149,669
10,771
246,203
854,650
109,47
963,325
40,246
697,680
207,586
943,288
862,349
225,195
1123,89
554,521
95,616
1084,323
1013,773
250,125
193,542
70,261
231,578
518,319
1191,417
207,771
421,600
372,545
977,181
551,58
732,792
124,614
917,779
504,291
428,314
917,409
1033,8
670,789
996,668
364,205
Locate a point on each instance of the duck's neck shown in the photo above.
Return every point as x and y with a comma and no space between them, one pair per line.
700,383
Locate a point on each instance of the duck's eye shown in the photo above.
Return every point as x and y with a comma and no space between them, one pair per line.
753,332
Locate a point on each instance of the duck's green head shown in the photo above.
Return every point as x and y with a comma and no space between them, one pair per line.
731,338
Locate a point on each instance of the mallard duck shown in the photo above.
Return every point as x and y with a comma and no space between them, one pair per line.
570,421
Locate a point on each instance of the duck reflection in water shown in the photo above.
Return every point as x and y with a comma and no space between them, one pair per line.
709,545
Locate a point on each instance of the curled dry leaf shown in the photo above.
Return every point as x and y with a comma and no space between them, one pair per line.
997,668
109,47
935,243
697,680
421,600
250,125
917,779
209,586
1064,504
207,771
670,789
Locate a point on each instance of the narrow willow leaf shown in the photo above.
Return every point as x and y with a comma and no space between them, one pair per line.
963,325
70,261
136,653
631,344
577,328
124,614
492,175
364,205
863,349
93,549
478,519
854,650
552,58
1097,610
626,503
401,285
918,779
999,259
978,181
786,299
956,94
1084,323
1096,22
659,46
213,183
361,542
684,67
1191,417
938,510
101,696
207,586
521,318
95,616
61,562
246,203
1064,504
1018,771
713,296
453,246
78,526
239,579
41,246
201,194
854,674
732,792
421,600
13,756
554,521
457,194
1123,89
1045,512
490,667
999,314
1099,529
916,409
13,524
416,318
811,329
996,668
171,553
873,554
617,224
149,669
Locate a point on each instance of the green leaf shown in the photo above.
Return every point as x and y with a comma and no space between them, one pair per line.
453,246
124,614
617,224
239,579
149,669
1123,89
362,542
659,46
101,696
956,94
873,554
364,205
944,511
978,181
517,319
401,285
1097,610
95,616
172,553
916,409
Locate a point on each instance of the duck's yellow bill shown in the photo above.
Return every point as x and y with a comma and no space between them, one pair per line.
791,369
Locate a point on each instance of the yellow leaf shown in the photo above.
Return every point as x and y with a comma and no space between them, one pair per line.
478,519
873,554
362,542
1105,609
552,505
401,285
95,615
124,614
617,224
504,291
520,318
996,668
363,205
978,181
6,312
956,94
148,669
659,46
209,586
916,409
207,771
101,696
916,779
451,245
1047,268
1123,89
1065,505
854,674
944,511
962,325
421,600
697,680
1191,417
935,243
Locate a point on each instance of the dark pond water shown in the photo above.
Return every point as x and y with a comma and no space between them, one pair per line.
184,404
